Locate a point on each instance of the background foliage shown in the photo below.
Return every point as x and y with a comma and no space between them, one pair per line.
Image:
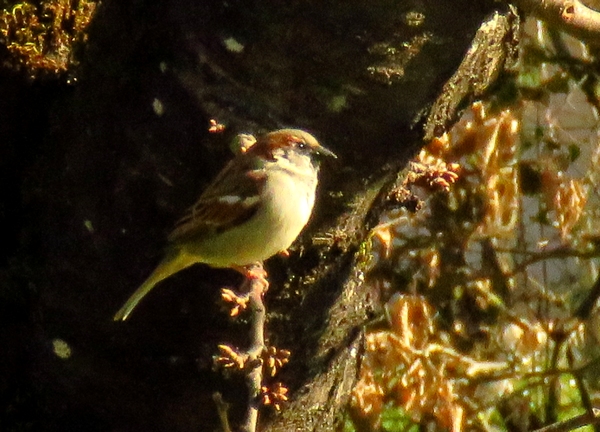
492,316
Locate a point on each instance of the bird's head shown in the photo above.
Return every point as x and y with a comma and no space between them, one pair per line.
290,143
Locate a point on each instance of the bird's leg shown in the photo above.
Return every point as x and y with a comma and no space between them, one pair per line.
284,253
254,272
255,278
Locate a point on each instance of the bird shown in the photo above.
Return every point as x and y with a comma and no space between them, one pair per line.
253,209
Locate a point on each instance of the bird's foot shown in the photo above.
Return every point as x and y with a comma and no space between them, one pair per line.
255,282
252,271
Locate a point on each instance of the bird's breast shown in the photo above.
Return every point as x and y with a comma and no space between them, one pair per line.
288,202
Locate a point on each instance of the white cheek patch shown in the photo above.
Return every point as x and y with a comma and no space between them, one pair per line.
278,153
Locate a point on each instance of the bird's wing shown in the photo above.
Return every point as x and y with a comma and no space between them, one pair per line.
232,198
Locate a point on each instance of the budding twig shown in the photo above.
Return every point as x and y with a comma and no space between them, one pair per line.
222,408
258,360
257,286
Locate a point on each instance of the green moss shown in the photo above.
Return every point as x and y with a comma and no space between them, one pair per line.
42,39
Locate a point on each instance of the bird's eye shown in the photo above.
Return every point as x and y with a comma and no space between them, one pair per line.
301,145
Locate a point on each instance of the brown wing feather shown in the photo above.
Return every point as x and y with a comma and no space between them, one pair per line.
211,214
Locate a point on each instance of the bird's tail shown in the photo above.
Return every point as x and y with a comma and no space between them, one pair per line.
173,262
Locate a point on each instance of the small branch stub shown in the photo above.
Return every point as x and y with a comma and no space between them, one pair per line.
274,396
233,302
274,359
229,358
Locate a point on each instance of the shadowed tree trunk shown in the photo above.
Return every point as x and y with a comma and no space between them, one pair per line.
118,156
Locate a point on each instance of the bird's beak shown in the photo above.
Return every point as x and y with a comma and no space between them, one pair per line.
325,152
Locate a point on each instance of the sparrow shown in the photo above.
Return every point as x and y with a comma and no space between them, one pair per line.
256,207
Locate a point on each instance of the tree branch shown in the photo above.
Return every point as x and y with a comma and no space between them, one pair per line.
257,345
571,15
573,423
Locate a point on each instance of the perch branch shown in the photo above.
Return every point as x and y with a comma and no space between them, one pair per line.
256,289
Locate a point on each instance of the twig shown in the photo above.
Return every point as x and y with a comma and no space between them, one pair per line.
256,289
553,385
222,408
587,305
556,253
584,394
573,423
571,15
498,303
